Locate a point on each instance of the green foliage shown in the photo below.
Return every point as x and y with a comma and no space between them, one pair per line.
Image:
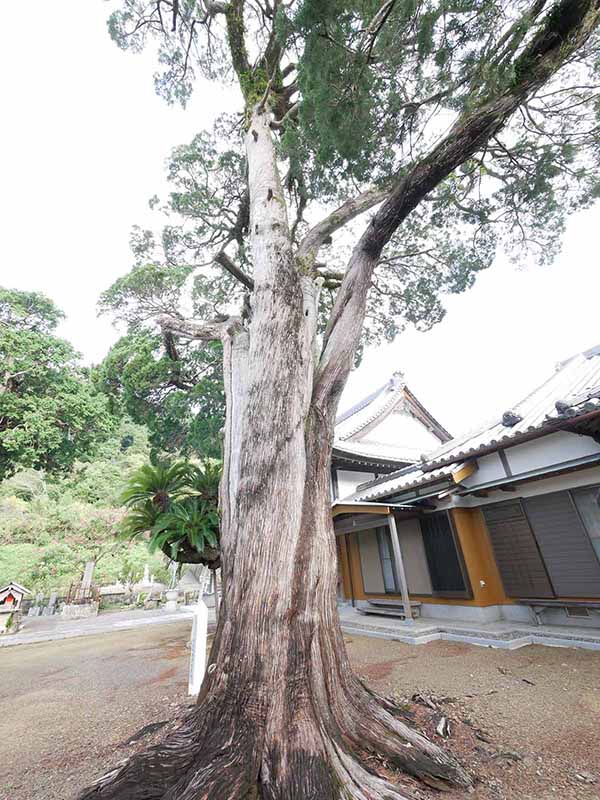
148,290
50,526
177,393
176,506
50,413
160,485
28,311
374,87
192,520
175,390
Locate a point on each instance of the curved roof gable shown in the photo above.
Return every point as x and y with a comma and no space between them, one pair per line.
389,423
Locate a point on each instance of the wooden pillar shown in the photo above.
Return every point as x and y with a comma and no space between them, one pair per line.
399,564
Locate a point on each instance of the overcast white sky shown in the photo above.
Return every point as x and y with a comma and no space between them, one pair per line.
83,145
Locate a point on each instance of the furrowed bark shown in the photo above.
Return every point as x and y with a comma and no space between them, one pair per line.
280,713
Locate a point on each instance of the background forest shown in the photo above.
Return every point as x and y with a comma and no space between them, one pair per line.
71,437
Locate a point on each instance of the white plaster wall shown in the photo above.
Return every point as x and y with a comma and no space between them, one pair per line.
489,468
401,430
555,448
348,481
583,477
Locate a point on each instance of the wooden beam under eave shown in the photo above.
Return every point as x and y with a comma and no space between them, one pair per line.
464,470
358,508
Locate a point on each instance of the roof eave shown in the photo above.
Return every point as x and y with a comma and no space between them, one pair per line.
550,426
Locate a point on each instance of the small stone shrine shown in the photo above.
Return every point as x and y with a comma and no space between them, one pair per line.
11,597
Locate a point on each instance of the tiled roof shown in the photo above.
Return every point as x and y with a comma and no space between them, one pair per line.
370,408
572,391
408,478
377,450
388,425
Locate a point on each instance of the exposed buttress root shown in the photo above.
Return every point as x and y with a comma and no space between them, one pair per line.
318,756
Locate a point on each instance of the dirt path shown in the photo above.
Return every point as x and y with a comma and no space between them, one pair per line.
537,707
526,722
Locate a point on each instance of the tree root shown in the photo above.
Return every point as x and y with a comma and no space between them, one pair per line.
317,758
307,730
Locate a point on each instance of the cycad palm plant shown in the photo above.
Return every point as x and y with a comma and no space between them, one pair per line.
161,484
177,505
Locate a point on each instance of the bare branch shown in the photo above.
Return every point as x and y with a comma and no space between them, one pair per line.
278,124
263,101
224,261
374,27
310,245
288,69
210,331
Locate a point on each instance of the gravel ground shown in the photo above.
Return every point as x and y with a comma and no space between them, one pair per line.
526,722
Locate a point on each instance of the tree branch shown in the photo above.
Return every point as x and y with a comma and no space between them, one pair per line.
214,8
562,32
236,32
278,124
317,235
224,261
214,330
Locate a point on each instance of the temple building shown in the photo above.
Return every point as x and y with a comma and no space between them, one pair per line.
500,524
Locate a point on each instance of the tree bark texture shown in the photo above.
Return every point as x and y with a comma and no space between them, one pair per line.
280,714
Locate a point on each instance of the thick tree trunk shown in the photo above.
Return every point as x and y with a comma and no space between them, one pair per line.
280,715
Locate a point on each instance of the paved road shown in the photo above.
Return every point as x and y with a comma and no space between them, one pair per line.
48,629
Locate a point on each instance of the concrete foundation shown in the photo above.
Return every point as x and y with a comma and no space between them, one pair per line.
501,634
461,613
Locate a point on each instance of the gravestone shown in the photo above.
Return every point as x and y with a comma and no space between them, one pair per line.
88,574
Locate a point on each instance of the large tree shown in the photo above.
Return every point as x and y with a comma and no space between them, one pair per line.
50,414
456,124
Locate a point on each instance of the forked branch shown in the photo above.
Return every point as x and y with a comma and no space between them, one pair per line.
565,29
317,235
